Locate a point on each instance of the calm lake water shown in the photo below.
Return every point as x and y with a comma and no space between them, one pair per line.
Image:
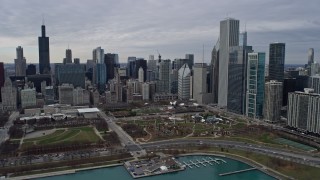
202,173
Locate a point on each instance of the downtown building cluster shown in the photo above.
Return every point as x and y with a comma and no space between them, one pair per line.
237,80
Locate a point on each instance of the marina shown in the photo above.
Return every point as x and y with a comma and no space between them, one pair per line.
207,172
204,162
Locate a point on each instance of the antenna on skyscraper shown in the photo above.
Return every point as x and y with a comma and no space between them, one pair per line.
202,54
42,19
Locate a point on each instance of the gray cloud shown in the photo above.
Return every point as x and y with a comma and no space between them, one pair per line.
140,28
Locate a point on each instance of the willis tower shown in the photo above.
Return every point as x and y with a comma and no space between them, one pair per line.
44,56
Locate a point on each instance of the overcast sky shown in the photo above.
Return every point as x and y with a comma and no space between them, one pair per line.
141,27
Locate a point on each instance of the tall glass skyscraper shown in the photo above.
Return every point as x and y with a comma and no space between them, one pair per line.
255,84
44,55
101,77
229,36
276,61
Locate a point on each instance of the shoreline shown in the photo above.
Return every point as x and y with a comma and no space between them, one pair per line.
245,160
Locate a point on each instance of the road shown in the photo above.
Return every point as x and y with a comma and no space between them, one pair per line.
125,139
4,132
270,151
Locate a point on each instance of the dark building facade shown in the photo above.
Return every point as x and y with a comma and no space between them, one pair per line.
38,79
1,77
70,73
110,61
237,78
140,63
44,54
276,61
31,70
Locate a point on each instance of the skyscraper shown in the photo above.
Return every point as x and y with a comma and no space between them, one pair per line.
200,83
98,55
229,36
1,78
31,70
101,78
44,54
131,66
71,74
111,62
237,73
163,85
190,58
276,61
140,62
68,56
141,75
315,83
20,62
215,73
310,56
255,84
243,39
184,82
9,96
272,101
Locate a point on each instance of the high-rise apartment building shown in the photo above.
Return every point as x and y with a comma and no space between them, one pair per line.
229,36
44,54
255,84
304,111
276,61
272,101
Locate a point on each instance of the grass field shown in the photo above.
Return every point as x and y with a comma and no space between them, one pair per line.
63,136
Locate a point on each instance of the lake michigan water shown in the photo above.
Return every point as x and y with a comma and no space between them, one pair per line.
210,172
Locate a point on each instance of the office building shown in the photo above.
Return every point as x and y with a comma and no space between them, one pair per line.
71,74
229,36
2,78
98,55
200,89
31,70
314,69
304,111
111,61
315,83
140,63
76,60
37,79
190,58
237,73
214,74
9,96
20,63
184,82
68,59
276,61
243,39
272,101
44,53
131,66
66,94
28,97
81,96
163,85
141,75
101,78
174,81
310,56
255,85
145,91
49,95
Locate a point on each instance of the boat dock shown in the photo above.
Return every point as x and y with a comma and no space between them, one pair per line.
239,171
204,162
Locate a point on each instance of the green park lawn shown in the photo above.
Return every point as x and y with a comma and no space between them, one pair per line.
62,136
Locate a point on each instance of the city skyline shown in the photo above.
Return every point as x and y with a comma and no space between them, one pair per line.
141,28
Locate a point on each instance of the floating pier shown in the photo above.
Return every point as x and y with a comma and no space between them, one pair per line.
239,171
204,162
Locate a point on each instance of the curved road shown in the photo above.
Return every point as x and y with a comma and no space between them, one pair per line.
270,151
